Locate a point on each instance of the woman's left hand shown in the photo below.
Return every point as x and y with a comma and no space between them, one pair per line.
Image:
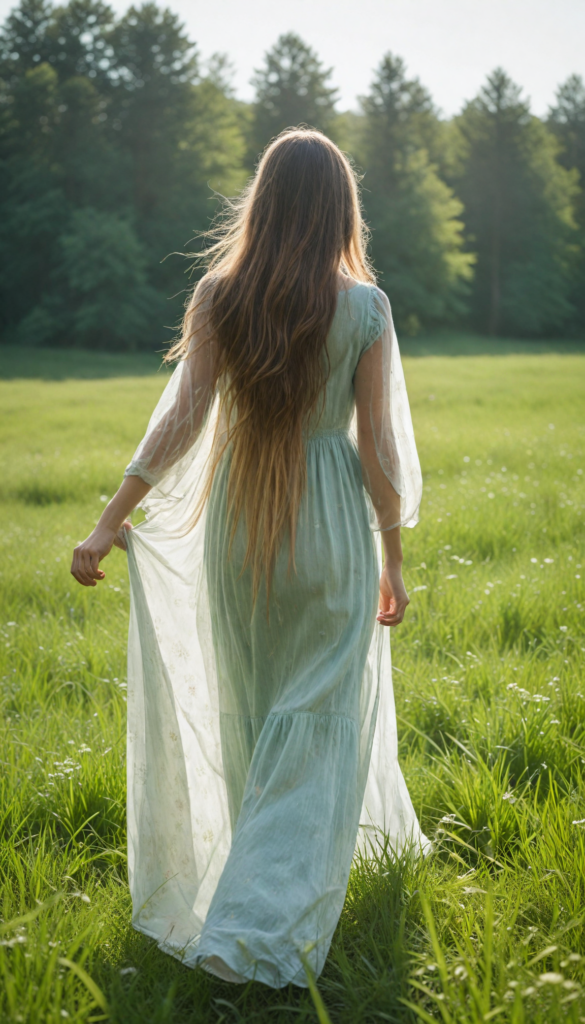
393,596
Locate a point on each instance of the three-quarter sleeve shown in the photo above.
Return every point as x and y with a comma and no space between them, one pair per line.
184,405
390,465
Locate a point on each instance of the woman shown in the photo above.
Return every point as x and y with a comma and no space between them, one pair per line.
261,724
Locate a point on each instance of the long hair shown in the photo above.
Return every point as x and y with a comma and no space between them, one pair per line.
271,294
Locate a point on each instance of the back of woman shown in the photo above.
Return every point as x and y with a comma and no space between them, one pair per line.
261,726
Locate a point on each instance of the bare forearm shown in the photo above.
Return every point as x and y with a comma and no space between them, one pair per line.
130,493
392,545
385,499
88,555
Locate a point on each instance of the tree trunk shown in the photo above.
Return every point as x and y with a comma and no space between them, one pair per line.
496,244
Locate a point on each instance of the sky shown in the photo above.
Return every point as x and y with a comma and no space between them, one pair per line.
451,45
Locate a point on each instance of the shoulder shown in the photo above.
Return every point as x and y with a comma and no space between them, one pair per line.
204,289
363,314
198,316
368,295
376,315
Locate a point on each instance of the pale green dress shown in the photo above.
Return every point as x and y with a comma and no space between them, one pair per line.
259,744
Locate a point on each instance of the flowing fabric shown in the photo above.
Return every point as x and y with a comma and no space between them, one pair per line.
263,749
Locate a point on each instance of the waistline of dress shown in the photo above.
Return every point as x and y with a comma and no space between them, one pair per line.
323,435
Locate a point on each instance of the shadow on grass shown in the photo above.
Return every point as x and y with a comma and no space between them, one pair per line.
77,364
144,985
459,343
365,978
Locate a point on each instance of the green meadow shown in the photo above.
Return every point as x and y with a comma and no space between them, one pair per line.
490,698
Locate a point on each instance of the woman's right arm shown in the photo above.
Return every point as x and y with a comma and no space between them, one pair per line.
87,556
173,430
183,408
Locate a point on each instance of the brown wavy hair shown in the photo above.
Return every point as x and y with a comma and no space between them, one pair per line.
271,293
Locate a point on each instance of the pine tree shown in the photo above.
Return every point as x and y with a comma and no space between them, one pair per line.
161,109
33,207
518,211
154,69
72,39
401,108
292,88
414,215
24,39
567,121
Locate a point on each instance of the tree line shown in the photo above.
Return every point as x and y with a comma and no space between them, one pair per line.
117,144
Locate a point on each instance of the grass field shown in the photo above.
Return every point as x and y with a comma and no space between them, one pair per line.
490,696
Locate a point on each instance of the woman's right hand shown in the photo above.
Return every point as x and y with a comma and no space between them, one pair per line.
120,540
393,597
88,555
110,530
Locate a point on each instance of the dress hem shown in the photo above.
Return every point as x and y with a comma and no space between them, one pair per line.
289,975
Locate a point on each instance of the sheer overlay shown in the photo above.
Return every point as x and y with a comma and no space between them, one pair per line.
260,754
385,437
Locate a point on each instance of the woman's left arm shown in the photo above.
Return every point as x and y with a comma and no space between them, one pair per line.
88,555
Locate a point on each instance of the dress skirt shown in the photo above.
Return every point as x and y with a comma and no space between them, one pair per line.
292,703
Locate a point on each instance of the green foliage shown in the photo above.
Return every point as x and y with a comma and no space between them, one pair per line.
416,231
111,144
105,273
401,109
518,203
477,220
292,88
72,39
567,121
489,697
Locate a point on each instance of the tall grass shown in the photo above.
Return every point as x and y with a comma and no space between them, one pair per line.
490,696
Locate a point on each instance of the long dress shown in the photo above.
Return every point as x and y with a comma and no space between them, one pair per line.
262,748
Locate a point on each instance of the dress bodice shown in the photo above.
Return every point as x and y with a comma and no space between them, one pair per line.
357,323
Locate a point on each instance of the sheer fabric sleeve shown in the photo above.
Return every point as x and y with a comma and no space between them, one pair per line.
390,465
182,411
